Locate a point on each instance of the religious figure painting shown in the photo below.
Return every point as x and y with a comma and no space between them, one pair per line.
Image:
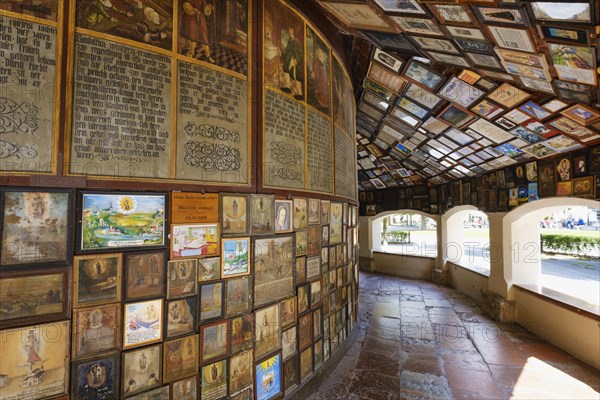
215,32
148,22
283,52
34,361
318,79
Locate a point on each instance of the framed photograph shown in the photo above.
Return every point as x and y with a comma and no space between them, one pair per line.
141,370
582,114
583,187
456,116
487,109
211,301
242,333
194,240
267,330
121,220
508,95
36,227
460,92
181,317
209,269
234,214
235,257
142,323
451,14
581,72
213,381
97,279
274,268
96,378
145,273
268,370
180,358
241,365
569,12
502,16
387,60
511,38
182,278
283,216
27,354
566,35
34,296
357,16
214,341
262,214
384,77
238,296
96,329
423,76
185,389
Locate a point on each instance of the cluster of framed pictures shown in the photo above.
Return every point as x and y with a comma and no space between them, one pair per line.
249,303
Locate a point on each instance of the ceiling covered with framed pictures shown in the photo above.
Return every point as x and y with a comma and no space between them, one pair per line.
456,89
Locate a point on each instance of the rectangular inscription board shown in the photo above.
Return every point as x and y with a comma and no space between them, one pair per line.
194,207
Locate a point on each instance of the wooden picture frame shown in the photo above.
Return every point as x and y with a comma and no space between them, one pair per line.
386,78
508,95
181,317
96,377
283,216
147,314
180,358
214,341
109,221
349,14
238,296
453,14
145,274
209,269
96,329
387,60
557,16
34,297
305,330
236,259
211,301
182,278
213,380
194,240
36,227
50,359
289,342
234,213
141,369
185,389
460,92
242,333
288,312
97,279
242,377
262,214
267,330
582,114
268,369
274,268
423,76
456,116
512,38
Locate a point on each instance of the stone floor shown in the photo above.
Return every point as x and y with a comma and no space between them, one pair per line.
417,340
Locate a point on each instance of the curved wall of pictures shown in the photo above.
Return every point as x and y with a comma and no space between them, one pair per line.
142,253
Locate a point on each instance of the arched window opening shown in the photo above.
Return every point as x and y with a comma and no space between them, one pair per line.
570,252
475,241
410,234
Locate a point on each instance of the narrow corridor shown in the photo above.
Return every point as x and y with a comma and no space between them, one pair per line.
418,340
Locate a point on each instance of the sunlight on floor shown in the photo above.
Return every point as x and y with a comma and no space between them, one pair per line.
540,380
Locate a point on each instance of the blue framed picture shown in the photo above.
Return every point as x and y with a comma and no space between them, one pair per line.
268,378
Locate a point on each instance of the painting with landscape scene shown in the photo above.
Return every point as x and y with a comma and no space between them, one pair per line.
122,220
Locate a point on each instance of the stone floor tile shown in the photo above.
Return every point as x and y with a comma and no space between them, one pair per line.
415,385
373,385
424,363
473,381
383,364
